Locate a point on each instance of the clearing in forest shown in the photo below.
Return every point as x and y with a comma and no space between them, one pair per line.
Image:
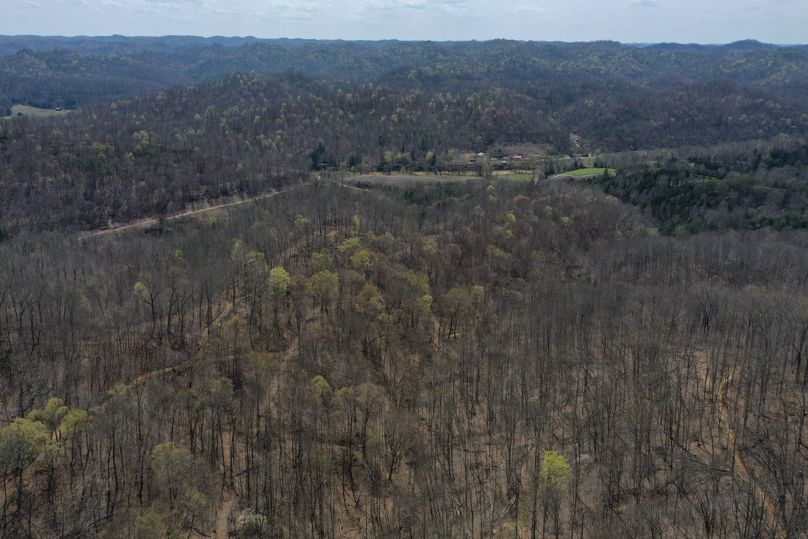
583,173
25,110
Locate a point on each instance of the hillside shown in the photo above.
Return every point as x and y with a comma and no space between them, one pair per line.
47,72
441,361
246,134
291,288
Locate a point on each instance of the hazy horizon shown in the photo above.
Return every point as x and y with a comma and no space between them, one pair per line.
381,40
626,21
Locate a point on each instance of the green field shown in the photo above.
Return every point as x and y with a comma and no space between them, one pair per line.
521,177
587,172
25,110
583,173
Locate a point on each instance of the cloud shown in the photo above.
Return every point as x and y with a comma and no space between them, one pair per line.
437,5
644,3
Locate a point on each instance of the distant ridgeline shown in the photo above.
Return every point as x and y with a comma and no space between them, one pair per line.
55,71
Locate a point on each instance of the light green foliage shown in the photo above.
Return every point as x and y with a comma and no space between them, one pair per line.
369,301
141,291
495,252
417,281
384,242
179,256
416,295
59,420
360,259
279,281
255,259
74,422
301,220
142,141
458,301
350,246
169,460
555,470
423,306
171,468
51,415
322,260
250,525
320,385
100,149
234,326
325,285
149,525
22,442
462,302
82,300
236,250
430,246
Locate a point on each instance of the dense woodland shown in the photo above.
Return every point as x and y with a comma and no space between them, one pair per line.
470,345
336,362
143,143
148,155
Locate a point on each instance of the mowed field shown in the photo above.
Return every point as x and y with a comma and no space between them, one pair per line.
584,173
25,110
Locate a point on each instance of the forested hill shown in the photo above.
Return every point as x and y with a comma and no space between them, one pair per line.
163,122
116,43
246,134
292,289
75,71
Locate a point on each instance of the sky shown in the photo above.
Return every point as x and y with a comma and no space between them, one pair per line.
629,21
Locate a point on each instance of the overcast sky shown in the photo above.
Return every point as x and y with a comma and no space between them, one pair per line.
702,21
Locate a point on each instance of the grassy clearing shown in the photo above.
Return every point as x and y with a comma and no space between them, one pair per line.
25,110
521,177
587,172
583,173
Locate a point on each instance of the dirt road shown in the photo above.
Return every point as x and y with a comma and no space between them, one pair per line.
142,224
